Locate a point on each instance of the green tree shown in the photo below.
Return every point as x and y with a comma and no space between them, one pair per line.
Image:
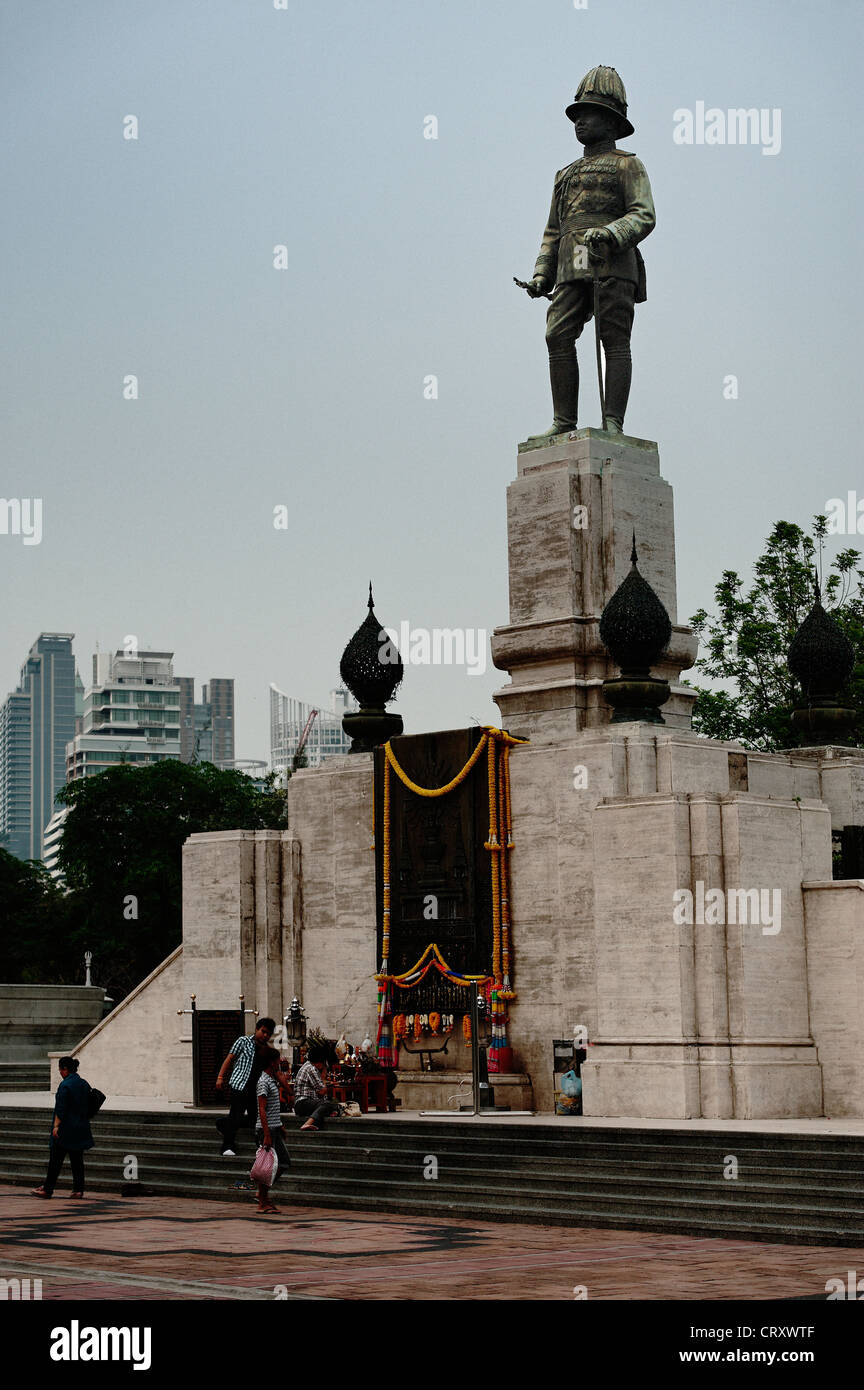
746,642
121,855
33,922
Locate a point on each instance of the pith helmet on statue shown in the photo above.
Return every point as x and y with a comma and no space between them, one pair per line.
603,88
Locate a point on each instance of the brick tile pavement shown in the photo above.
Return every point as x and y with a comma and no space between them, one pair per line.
115,1248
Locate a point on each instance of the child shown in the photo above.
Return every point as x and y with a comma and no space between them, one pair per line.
268,1130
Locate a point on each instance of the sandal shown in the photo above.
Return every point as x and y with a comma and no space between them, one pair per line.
266,1211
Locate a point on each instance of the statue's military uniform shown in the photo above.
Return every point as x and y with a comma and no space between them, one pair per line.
604,190
610,191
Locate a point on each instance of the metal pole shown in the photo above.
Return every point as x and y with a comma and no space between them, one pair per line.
196,1050
475,1053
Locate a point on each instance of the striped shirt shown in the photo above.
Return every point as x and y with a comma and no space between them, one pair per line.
270,1091
307,1083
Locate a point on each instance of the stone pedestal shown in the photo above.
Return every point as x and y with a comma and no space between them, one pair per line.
240,910
702,1008
834,914
571,514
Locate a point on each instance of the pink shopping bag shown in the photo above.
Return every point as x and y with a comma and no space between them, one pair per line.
265,1167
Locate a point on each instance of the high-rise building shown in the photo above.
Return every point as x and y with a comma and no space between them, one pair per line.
52,837
36,722
325,739
187,718
207,727
131,713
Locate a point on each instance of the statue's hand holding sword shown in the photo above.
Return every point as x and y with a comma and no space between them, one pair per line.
598,242
536,287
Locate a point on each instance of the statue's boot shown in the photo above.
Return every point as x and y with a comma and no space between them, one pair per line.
619,372
564,379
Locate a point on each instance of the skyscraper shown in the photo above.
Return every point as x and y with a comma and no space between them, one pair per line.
326,738
207,728
36,722
131,713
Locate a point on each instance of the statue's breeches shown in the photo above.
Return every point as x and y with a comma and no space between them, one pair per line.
573,306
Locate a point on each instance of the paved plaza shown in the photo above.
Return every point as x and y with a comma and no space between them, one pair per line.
163,1248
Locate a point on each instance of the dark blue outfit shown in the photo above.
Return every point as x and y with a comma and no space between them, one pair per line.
74,1134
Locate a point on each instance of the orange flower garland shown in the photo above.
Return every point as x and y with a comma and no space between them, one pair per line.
497,745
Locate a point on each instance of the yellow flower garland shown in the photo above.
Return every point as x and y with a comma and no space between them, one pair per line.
385,933
497,744
405,980
435,791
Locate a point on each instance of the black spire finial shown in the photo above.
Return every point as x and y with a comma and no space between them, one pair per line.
822,658
635,629
371,667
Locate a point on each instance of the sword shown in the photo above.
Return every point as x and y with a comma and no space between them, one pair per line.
594,271
523,285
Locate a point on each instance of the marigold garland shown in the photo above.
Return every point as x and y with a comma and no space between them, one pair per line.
436,791
498,985
412,977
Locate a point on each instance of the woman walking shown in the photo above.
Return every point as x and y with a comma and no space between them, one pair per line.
70,1130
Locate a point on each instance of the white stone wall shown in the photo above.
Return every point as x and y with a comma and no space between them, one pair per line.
835,955
331,817
143,1047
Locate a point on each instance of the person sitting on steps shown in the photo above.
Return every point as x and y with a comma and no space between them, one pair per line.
310,1092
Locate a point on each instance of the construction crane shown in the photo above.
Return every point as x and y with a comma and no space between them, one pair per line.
301,744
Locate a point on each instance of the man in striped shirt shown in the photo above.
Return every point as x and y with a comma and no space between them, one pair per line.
246,1060
310,1093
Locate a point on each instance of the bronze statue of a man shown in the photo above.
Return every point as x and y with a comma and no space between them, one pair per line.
601,209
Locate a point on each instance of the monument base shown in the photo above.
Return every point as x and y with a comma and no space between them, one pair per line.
694,1081
572,513
447,1091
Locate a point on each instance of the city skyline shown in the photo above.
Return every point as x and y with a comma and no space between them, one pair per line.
107,650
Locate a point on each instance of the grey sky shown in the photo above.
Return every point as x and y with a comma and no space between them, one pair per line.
304,387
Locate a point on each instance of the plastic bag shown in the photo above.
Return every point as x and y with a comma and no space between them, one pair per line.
571,1084
265,1167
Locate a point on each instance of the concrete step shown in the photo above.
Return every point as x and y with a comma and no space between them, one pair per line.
695,1222
24,1076
344,1163
346,1143
804,1189
816,1152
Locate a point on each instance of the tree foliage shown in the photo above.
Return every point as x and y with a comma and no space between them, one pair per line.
121,858
32,921
745,643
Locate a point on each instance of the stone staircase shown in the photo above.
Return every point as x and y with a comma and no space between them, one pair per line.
24,1076
800,1189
